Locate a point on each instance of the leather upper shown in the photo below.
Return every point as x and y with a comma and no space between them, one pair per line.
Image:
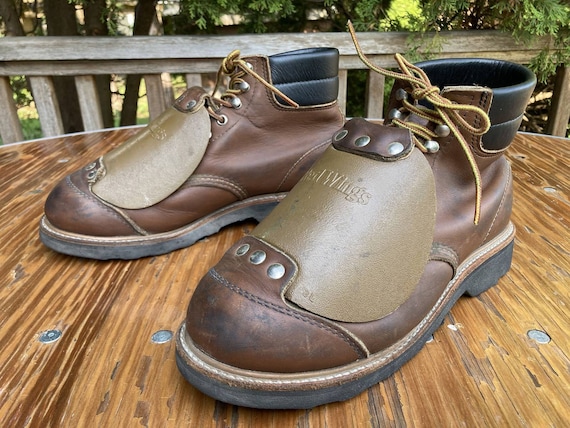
241,316
263,147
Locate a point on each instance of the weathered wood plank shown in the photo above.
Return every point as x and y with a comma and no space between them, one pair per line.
197,65
89,102
177,47
195,55
157,102
375,95
342,84
10,129
43,91
559,116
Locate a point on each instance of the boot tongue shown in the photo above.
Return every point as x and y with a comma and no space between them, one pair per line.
153,164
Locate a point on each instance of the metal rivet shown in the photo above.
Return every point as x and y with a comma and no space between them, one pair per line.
431,146
362,141
257,257
223,120
539,336
340,135
161,336
235,102
395,148
242,249
394,114
276,271
50,336
401,94
442,130
191,104
249,65
90,166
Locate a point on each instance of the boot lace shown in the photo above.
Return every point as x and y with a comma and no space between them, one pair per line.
236,68
444,113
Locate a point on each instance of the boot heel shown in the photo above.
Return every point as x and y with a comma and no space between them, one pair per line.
489,273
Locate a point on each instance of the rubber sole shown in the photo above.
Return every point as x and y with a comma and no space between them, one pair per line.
264,390
134,247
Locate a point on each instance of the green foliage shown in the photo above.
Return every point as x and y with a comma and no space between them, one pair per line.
257,15
524,19
22,95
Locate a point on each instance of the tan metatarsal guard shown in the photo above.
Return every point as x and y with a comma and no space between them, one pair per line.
381,200
151,165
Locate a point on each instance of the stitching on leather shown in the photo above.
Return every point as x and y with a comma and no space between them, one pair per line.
503,199
300,160
107,208
373,363
215,181
444,253
285,311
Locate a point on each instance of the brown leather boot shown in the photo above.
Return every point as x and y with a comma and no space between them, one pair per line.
354,270
204,163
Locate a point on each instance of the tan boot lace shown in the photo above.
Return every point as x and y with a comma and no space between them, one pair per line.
236,68
444,113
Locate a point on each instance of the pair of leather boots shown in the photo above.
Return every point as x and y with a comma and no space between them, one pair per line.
368,233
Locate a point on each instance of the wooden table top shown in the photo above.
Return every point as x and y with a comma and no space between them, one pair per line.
483,367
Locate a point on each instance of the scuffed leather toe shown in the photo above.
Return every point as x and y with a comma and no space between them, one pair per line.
239,317
72,207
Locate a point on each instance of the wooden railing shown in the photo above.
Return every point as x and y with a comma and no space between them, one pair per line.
41,58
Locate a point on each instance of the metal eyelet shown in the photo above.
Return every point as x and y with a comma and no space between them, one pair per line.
442,130
276,271
362,141
401,94
257,257
242,249
431,146
394,114
395,148
242,86
235,102
223,121
90,166
340,135
91,174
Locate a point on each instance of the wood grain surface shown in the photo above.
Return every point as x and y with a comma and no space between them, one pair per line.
481,369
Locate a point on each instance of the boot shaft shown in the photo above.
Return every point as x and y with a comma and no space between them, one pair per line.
502,89
307,76
511,86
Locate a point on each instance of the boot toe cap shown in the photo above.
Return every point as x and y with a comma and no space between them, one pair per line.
238,317
71,207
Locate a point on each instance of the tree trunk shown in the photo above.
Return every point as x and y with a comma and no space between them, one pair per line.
145,11
95,25
61,21
11,18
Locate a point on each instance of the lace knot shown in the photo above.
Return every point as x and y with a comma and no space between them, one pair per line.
235,67
444,112
424,92
229,63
